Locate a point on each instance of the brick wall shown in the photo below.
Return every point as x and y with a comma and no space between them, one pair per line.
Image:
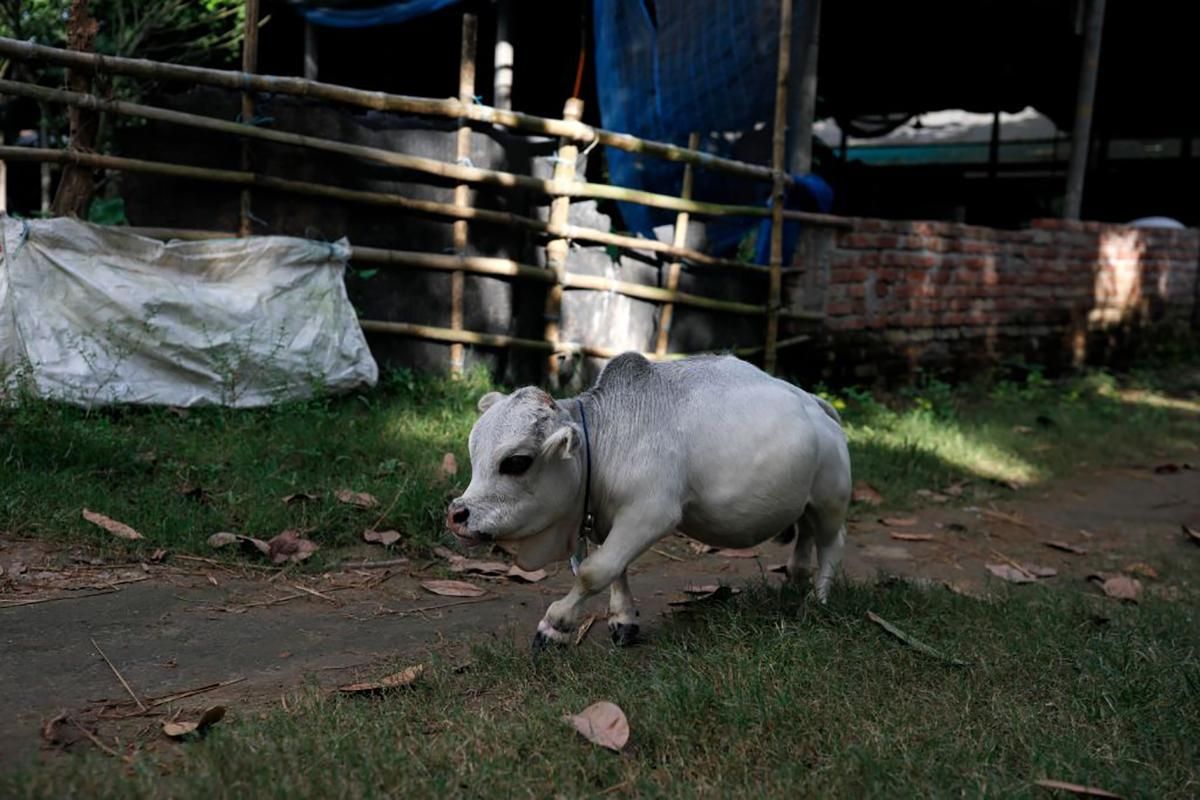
901,295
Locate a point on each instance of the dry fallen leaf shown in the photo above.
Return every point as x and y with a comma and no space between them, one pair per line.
911,537
898,522
177,730
222,538
1078,789
158,555
385,538
290,546
701,548
586,626
955,489
449,465
744,552
705,594
602,724
1010,573
299,497
864,492
1040,571
119,529
525,576
1191,533
212,580
405,677
453,588
446,553
1065,547
1142,570
357,499
1121,587
932,496
474,567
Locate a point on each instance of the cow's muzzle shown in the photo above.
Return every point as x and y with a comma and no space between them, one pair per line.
458,517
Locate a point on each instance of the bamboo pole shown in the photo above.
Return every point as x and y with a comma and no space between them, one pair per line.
778,156
507,268
503,218
249,66
679,240
462,192
557,249
503,341
502,76
430,166
381,101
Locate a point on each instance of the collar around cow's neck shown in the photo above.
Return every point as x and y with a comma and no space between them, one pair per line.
585,524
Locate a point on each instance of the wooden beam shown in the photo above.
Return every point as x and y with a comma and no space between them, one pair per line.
675,267
778,156
557,249
462,192
1085,96
249,65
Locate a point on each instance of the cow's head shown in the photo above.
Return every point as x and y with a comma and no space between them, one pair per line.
526,488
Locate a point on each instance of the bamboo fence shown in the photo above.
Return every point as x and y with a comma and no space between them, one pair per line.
560,189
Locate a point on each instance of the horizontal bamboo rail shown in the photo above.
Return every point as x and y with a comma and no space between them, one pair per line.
507,268
428,166
449,210
499,340
449,108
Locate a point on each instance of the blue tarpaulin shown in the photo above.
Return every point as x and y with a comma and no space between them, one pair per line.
388,14
670,67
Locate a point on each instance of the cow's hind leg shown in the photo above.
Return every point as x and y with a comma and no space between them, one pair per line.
799,567
622,613
831,540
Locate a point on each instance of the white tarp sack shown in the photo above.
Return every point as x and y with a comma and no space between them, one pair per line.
95,315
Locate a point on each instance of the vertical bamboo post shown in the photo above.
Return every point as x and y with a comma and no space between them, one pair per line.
502,79
249,64
680,240
556,249
778,154
462,192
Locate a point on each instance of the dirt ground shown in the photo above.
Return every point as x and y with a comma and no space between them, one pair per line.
182,624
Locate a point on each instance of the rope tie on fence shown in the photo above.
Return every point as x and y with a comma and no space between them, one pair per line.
465,161
253,218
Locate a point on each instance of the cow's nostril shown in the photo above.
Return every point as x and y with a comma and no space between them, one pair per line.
460,516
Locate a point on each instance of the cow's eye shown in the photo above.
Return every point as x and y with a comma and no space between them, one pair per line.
516,465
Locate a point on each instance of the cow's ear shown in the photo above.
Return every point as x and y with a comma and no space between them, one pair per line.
488,400
562,443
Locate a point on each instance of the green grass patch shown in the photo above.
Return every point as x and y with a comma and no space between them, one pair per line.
765,696
179,478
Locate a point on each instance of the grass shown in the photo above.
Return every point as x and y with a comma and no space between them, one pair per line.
761,696
764,696
179,478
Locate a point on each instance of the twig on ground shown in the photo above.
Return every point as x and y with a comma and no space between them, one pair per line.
36,600
1013,564
94,739
391,562
120,677
436,606
665,554
915,644
315,593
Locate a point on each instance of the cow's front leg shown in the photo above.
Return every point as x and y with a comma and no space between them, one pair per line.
622,613
630,537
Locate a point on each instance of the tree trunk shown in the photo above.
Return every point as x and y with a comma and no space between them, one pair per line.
76,187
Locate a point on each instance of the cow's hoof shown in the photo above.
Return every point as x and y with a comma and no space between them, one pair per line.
548,635
624,635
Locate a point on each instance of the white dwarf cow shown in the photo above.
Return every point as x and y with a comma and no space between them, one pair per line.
710,446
